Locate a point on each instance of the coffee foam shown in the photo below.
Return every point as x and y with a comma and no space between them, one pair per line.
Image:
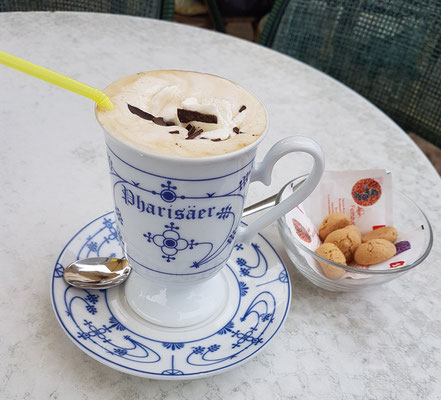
161,93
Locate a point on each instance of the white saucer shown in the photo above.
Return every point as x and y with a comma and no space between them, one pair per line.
102,324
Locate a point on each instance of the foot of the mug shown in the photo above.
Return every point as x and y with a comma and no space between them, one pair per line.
176,305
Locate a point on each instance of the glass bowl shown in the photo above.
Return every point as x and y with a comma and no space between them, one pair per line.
406,215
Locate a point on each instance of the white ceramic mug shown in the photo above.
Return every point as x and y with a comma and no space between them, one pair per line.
178,220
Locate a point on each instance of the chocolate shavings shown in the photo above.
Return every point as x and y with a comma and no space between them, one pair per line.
187,116
149,117
193,133
243,108
216,140
174,132
159,121
236,130
140,113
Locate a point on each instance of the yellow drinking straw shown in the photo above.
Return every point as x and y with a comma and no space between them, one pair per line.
56,79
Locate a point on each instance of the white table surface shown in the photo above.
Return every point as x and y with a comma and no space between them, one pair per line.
383,343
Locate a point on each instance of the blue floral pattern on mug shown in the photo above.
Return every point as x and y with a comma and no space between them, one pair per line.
177,213
170,241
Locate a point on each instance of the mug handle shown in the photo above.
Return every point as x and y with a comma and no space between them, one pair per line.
262,172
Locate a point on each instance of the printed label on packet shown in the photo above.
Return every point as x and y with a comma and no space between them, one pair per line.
364,196
302,227
304,231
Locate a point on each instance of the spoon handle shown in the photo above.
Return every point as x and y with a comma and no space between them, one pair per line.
260,206
266,203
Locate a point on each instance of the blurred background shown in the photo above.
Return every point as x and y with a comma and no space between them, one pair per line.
389,51
242,18
246,19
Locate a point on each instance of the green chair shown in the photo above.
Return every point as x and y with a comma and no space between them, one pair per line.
215,16
161,9
387,50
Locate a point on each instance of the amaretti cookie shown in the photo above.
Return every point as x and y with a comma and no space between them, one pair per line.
331,223
374,251
331,252
386,232
346,239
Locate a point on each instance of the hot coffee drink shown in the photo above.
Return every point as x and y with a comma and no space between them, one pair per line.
181,149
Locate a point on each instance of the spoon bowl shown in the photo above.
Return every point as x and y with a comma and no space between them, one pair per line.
97,272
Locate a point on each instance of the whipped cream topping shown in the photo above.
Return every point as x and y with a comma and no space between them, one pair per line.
227,117
240,118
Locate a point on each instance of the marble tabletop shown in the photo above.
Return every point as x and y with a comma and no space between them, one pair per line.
382,343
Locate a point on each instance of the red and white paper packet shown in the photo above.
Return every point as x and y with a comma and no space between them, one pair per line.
366,197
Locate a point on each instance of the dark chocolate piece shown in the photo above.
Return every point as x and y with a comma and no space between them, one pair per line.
188,127
174,132
140,113
193,133
216,140
243,108
159,121
191,130
187,116
236,130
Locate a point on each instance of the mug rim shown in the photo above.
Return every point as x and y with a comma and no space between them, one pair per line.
192,160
